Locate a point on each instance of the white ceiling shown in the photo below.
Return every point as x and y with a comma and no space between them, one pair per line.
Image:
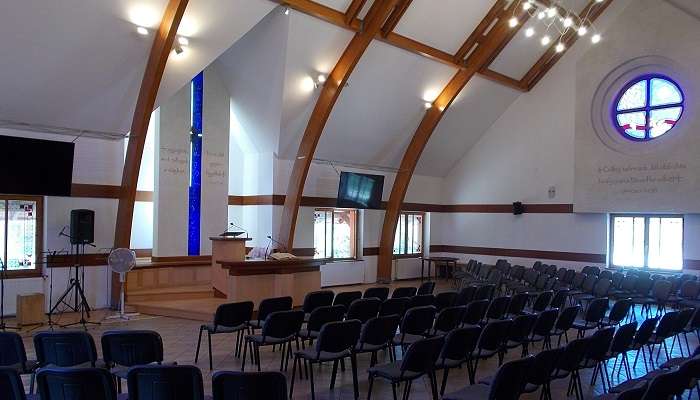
79,63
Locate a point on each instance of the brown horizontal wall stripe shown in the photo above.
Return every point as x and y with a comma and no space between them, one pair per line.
370,251
69,260
537,254
312,201
691,264
304,251
95,191
170,259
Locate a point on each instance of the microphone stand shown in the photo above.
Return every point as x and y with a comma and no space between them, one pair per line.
272,240
232,225
3,325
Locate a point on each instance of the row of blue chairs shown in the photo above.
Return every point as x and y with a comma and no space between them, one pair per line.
150,382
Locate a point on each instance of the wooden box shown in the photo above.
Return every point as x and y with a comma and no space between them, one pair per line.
30,309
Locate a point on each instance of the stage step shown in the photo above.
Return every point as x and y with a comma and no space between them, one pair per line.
194,309
170,293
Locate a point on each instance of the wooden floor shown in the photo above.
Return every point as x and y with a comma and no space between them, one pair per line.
180,341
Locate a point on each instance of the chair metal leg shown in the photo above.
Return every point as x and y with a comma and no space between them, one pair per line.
294,373
369,390
334,373
355,385
246,343
406,390
311,380
445,372
393,390
433,385
31,382
199,342
211,362
257,355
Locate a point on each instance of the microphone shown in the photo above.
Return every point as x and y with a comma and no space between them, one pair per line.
232,225
282,246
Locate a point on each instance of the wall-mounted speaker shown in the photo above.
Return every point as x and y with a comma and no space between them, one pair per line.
518,208
82,226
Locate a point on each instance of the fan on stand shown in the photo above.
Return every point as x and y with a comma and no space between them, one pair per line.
122,261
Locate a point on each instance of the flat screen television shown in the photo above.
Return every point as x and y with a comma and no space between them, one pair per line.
35,167
360,190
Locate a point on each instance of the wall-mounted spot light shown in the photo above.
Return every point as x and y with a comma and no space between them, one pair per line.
183,41
307,84
320,79
582,31
427,104
286,11
141,30
179,51
545,40
559,47
513,22
595,38
529,32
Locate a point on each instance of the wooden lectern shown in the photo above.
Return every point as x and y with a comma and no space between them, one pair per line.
224,249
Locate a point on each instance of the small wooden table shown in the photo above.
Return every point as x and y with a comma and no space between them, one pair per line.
447,261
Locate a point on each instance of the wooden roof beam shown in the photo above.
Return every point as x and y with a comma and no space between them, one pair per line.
338,18
153,74
395,16
593,10
353,10
330,93
496,39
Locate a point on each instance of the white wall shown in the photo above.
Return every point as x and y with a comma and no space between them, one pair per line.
95,162
527,150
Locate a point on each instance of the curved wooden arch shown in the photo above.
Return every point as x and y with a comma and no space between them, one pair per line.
158,57
334,85
485,52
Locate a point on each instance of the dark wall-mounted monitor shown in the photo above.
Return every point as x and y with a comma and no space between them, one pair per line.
35,167
360,190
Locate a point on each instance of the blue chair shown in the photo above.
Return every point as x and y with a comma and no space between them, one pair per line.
228,385
66,349
13,355
75,384
124,349
11,384
172,382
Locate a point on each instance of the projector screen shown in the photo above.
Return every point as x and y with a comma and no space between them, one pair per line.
35,167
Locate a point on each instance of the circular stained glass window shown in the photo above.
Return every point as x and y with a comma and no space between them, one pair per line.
648,107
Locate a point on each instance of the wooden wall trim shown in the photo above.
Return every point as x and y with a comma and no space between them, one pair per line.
69,260
95,191
324,105
311,201
153,74
484,53
522,253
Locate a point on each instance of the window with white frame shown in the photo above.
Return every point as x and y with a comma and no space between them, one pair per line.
646,241
335,233
408,239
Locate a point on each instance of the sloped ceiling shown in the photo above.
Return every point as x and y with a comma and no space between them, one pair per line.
79,63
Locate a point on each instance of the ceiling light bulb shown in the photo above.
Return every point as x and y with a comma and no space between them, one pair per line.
595,38
559,47
513,22
183,41
568,22
142,31
427,104
286,11
551,12
321,78
541,15
530,32
307,84
526,6
582,31
545,40
598,1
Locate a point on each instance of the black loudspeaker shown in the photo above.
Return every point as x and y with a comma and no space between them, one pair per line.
82,226
518,208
